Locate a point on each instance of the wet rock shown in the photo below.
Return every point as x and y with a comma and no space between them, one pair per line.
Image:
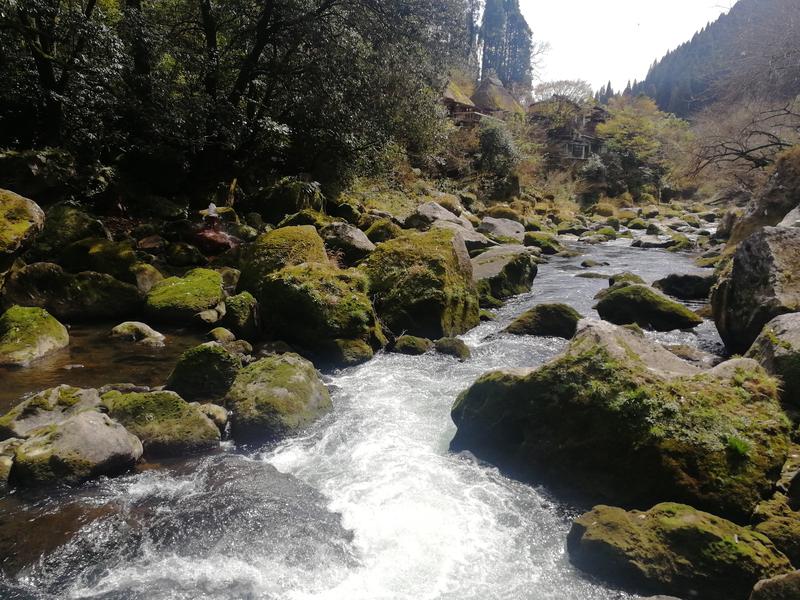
138,332
673,548
84,296
165,423
274,397
350,241
556,320
504,271
21,220
653,241
7,449
84,446
546,242
324,310
782,587
411,345
48,407
427,214
502,229
205,372
625,277
687,286
759,285
777,349
453,347
218,415
27,334
647,308
181,298
621,419
422,284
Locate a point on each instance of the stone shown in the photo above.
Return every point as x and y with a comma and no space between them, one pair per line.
181,298
646,307
422,284
781,587
28,334
100,256
549,320
687,286
758,285
242,316
65,224
350,241
7,449
21,220
453,347
792,219
145,276
502,229
428,213
777,349
218,415
221,335
165,423
205,372
181,254
620,419
85,446
625,277
275,397
412,345
383,230
472,239
673,548
504,271
48,407
653,241
547,243
138,332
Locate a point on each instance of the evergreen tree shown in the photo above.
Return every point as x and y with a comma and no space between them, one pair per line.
507,44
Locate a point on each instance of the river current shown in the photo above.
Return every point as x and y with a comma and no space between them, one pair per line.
368,504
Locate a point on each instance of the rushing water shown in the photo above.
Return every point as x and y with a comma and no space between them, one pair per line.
366,505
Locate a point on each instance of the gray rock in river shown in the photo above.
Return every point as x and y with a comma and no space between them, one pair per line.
503,229
48,407
777,349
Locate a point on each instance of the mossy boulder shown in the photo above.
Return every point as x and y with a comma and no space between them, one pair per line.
637,224
779,519
243,316
7,449
65,224
138,332
782,587
276,249
777,349
422,284
83,296
48,407
673,548
556,320
646,307
412,345
546,242
181,298
29,333
101,256
625,277
504,271
274,397
622,420
453,347
306,216
166,424
21,220
205,372
348,241
320,308
84,446
383,230
181,254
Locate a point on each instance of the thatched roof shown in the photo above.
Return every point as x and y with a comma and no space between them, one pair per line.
492,96
454,93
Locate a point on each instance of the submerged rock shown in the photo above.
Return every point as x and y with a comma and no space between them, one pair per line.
759,285
182,298
166,424
557,320
422,284
27,334
646,307
48,407
621,419
274,397
84,446
777,349
205,372
673,548
504,271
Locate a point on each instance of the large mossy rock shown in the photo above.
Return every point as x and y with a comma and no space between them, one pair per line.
29,333
324,310
546,242
274,397
503,272
101,256
687,286
759,285
782,587
65,224
620,419
84,446
276,249
673,548
48,407
412,346
348,240
777,349
205,372
243,316
779,519
166,424
181,298
557,320
646,307
21,220
81,297
422,284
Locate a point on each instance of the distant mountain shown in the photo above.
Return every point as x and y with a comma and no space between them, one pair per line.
752,50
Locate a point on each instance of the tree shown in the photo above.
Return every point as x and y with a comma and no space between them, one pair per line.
576,90
508,48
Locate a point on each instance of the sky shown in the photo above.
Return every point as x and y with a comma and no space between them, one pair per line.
616,40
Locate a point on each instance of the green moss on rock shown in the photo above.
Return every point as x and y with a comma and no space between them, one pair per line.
21,220
558,320
181,298
27,334
205,372
453,347
242,315
412,345
101,256
546,242
646,307
383,230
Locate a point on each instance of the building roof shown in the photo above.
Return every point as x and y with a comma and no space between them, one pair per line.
454,93
492,96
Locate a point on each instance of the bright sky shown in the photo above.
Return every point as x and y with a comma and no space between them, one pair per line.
617,40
